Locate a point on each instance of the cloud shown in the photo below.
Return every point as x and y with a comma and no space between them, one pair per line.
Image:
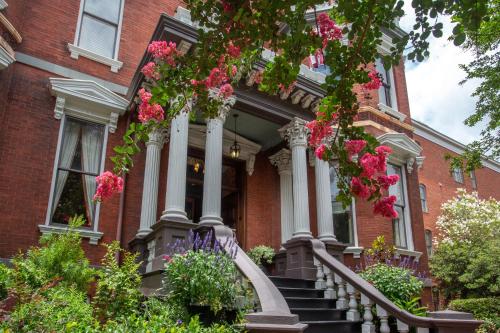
436,98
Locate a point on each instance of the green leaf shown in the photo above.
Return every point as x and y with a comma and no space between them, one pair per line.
459,39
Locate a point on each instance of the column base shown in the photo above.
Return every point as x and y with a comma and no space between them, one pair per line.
174,215
143,232
280,262
327,238
299,259
302,235
210,220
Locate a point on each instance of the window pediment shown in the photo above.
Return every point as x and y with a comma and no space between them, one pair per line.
404,149
87,100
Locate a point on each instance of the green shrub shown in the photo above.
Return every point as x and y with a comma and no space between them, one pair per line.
396,283
60,257
202,278
117,293
59,309
487,309
5,280
412,306
261,253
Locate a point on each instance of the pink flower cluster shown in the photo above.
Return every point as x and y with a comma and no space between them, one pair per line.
233,51
328,30
226,90
385,207
354,147
107,184
148,111
287,90
385,181
320,152
163,50
150,71
375,81
319,130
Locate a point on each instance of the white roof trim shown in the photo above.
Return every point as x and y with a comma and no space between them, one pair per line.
87,100
249,149
444,141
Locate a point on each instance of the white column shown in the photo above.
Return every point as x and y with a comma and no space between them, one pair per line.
296,134
150,185
175,203
282,160
324,201
212,179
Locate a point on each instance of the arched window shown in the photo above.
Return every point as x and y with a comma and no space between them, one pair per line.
423,197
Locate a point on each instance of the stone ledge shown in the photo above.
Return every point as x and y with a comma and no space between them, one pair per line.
77,51
93,236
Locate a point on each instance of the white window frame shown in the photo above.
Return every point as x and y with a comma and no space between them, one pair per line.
473,179
458,175
77,51
423,201
87,101
426,233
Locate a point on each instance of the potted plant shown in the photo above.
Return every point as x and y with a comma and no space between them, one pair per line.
262,256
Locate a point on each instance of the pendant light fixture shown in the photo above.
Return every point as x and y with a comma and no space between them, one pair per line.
235,148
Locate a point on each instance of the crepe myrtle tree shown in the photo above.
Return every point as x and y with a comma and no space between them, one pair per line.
232,37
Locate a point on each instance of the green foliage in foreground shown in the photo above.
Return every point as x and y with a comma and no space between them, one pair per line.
396,283
50,284
487,309
261,254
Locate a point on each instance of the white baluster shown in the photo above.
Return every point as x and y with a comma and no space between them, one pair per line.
402,327
329,292
384,318
341,301
353,313
368,326
422,330
320,281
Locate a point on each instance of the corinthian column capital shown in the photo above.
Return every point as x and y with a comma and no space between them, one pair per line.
295,132
282,160
226,103
158,137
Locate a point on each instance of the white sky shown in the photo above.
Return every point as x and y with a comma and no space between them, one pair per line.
436,98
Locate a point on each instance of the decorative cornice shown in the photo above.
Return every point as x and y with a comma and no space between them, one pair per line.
295,132
7,55
87,100
446,142
404,149
282,160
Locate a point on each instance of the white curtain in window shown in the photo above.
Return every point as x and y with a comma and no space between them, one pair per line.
70,140
91,155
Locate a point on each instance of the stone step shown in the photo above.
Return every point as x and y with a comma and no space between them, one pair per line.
301,292
333,326
318,314
308,302
280,281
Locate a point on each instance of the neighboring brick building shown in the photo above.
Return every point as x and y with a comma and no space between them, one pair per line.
438,184
66,92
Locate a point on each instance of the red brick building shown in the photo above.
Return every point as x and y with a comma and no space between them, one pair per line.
68,75
438,184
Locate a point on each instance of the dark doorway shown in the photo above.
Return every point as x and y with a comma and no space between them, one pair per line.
232,181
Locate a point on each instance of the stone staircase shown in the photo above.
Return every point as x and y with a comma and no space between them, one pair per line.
313,309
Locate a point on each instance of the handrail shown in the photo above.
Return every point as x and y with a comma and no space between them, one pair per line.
275,315
369,291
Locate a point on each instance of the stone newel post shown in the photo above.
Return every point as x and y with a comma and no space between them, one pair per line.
175,202
150,187
212,180
282,160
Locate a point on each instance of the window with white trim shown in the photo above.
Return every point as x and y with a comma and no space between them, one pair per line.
79,162
428,242
458,175
473,179
342,217
399,224
99,27
387,91
423,197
